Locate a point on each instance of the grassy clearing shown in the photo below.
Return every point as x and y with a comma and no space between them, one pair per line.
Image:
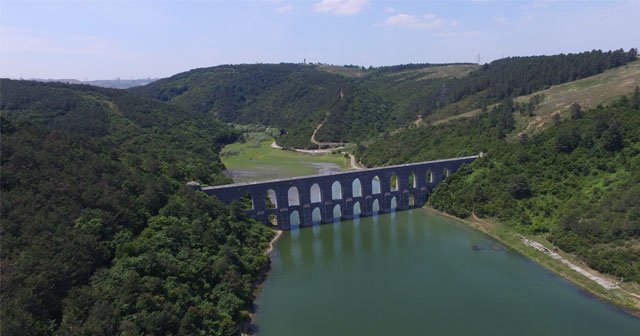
355,72
255,160
627,297
588,92
456,70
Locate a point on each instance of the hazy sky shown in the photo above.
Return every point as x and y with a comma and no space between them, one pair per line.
103,39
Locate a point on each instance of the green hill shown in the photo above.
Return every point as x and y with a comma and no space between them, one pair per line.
575,183
100,235
355,104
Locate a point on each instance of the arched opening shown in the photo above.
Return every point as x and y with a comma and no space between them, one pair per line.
293,196
375,185
412,200
429,176
375,207
316,216
445,173
356,188
356,209
273,219
315,194
412,180
294,220
336,190
393,182
270,199
337,212
246,201
394,204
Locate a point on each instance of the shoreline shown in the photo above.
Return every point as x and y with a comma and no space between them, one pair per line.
273,241
258,285
553,265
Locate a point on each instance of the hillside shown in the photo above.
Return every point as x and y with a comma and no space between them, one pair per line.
355,104
588,93
575,183
100,235
106,83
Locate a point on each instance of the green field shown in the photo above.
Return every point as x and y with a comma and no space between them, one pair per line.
255,160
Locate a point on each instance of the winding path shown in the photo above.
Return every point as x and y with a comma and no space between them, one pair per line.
330,144
352,159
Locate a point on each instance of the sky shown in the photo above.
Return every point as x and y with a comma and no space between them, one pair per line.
106,39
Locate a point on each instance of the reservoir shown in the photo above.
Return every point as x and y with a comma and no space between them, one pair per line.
407,273
415,273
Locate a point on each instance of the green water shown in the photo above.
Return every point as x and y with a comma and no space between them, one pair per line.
414,273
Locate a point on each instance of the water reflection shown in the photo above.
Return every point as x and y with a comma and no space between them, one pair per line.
413,274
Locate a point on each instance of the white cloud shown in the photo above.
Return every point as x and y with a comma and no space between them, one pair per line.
500,19
340,7
454,23
285,9
426,21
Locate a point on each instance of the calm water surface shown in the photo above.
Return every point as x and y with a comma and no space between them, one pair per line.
414,273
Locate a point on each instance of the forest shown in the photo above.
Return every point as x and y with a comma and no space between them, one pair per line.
576,183
297,97
100,234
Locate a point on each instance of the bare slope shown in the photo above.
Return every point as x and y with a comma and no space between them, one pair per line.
588,92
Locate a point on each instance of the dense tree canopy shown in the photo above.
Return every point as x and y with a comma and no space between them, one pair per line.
578,182
298,97
100,234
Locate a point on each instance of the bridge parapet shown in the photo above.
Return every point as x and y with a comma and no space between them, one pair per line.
323,198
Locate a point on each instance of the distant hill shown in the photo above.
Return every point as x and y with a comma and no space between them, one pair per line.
355,104
107,83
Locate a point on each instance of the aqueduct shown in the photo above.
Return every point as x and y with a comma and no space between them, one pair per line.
323,198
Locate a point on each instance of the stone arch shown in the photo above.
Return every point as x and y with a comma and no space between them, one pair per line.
375,207
357,210
246,201
336,190
356,188
293,196
393,182
428,176
316,216
412,200
393,205
412,182
315,193
294,219
445,173
375,185
337,212
270,199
